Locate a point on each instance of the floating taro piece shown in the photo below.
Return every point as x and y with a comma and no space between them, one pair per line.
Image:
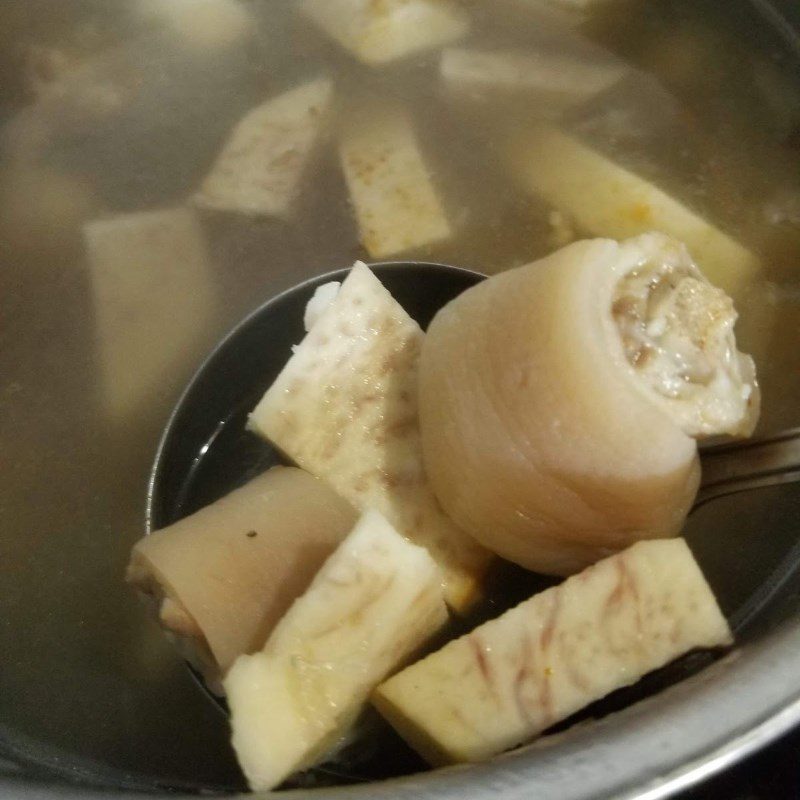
262,165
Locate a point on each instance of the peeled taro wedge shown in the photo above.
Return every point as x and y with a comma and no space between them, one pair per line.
345,409
517,675
373,604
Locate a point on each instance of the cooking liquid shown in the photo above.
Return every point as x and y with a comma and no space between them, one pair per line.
88,686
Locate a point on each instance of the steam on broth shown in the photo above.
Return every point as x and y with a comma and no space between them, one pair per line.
116,114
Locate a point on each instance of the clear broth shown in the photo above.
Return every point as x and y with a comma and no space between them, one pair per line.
88,687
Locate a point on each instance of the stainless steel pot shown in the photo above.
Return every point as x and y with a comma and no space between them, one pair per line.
91,700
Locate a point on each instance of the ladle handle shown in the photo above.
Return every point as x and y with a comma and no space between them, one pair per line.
738,466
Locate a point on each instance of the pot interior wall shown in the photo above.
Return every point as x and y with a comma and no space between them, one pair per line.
109,108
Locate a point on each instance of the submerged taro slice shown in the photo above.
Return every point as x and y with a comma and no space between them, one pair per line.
607,199
345,408
207,26
517,675
261,166
153,293
375,602
378,32
554,79
396,203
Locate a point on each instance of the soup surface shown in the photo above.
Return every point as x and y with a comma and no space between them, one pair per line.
116,108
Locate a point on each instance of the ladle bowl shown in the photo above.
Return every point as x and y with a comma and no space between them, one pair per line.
206,452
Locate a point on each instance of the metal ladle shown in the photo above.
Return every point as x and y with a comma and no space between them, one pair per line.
205,451
751,464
